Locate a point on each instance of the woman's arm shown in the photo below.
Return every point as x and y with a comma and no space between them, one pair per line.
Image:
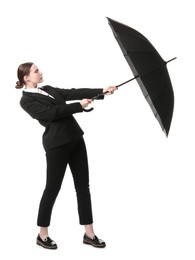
78,94
41,111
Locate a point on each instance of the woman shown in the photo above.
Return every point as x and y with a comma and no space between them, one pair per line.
64,144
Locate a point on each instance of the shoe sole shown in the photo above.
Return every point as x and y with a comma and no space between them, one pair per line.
100,246
44,246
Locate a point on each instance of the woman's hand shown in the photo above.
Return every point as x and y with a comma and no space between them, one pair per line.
85,102
109,90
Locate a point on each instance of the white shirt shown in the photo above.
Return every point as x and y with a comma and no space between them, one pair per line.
37,90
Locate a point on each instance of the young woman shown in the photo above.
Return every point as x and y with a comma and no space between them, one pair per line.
64,145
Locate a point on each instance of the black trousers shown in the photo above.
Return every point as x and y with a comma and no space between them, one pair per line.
75,155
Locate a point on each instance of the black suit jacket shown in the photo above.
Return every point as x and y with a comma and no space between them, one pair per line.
55,115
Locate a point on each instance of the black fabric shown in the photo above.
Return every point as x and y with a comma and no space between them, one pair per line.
149,69
73,154
64,145
55,115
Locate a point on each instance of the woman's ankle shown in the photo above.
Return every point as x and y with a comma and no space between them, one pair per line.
43,233
89,231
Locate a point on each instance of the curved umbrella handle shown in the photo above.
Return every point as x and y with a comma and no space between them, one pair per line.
93,98
88,110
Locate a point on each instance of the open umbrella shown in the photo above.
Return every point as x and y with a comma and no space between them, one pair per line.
149,69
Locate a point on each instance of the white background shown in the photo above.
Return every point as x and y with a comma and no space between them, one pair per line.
142,183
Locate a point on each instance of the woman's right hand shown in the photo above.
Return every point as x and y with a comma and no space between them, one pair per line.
85,102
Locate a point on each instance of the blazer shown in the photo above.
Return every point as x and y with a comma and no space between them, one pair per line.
55,115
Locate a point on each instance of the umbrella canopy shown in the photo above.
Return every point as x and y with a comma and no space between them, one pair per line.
149,69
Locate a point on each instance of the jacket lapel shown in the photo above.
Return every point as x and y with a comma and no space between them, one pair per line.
55,99
51,91
42,97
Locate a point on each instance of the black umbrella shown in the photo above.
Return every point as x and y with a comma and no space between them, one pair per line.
149,70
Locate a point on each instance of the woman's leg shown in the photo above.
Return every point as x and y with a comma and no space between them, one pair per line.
56,166
79,167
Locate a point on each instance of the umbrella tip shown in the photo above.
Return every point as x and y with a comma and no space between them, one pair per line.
109,19
171,59
166,133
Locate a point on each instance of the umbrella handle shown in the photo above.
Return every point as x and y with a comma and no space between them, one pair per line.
93,98
88,110
104,93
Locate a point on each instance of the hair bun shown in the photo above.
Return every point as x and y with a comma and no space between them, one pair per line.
18,84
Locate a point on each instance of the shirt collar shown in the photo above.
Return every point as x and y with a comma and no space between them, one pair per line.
32,90
37,90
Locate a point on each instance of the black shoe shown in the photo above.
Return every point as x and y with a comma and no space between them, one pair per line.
96,242
47,243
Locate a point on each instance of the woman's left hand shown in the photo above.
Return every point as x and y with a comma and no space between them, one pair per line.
109,90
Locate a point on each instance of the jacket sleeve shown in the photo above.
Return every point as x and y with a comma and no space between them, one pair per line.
46,112
77,94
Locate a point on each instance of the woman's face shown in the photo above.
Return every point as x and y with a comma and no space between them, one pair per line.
34,77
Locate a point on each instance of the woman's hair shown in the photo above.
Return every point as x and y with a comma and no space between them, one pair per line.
23,70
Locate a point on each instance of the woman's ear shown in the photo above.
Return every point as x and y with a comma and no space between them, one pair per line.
26,78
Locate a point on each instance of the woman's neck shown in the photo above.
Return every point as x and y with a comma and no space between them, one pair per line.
28,86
